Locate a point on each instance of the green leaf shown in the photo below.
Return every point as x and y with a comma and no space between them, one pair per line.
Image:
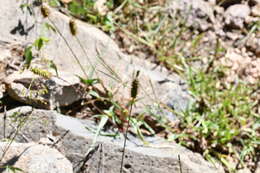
27,7
94,94
28,56
89,81
54,3
39,43
76,8
53,66
50,27
12,169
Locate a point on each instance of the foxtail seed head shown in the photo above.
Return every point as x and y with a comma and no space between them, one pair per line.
73,27
45,11
135,86
41,72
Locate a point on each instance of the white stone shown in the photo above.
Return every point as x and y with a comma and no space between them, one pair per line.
34,158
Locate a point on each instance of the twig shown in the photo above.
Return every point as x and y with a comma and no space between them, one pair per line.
86,158
100,159
4,120
125,137
15,134
24,137
134,92
62,137
179,159
68,45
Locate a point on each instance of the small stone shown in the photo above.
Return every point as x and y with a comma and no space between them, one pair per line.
236,15
197,12
227,3
66,1
258,168
256,11
245,170
253,44
233,35
254,2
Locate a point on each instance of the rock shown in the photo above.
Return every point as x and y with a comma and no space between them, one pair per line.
34,89
236,15
101,7
241,66
198,12
212,2
114,68
2,91
253,44
66,1
44,93
245,170
233,36
2,76
155,158
256,11
254,2
33,158
227,3
258,168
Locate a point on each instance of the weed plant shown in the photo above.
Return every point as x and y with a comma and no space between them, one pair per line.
223,122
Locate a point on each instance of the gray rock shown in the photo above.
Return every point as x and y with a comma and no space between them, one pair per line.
111,66
154,158
43,92
236,15
33,158
199,13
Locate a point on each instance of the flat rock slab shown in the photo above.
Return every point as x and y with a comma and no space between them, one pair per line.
41,125
32,158
114,68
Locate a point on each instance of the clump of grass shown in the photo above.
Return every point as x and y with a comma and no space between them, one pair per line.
223,123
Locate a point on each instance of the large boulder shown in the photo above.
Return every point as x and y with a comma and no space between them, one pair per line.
114,68
32,158
72,138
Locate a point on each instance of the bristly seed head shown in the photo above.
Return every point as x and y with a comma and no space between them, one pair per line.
45,11
73,27
41,72
135,86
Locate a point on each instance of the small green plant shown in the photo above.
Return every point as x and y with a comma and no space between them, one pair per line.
221,123
20,119
84,9
28,51
11,169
